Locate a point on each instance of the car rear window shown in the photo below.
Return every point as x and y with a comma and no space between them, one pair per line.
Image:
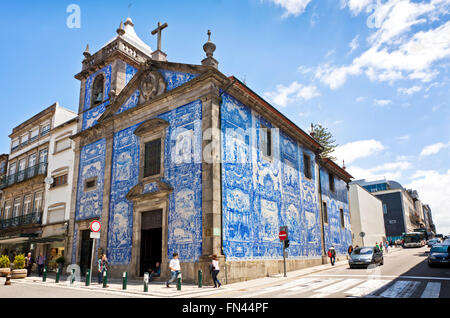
439,249
363,251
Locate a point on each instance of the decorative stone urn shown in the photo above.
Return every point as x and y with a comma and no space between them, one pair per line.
4,271
19,273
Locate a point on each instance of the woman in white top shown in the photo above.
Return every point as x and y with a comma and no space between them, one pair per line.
215,271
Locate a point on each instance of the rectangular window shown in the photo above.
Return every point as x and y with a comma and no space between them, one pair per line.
16,207
24,140
384,209
152,158
90,184
62,144
59,181
15,144
6,214
37,207
342,218
266,141
307,163
12,169
325,213
56,214
45,129
331,182
34,134
27,204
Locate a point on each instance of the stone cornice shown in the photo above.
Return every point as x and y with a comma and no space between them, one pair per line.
137,192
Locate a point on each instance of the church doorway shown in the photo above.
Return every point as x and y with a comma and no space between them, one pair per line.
86,251
151,240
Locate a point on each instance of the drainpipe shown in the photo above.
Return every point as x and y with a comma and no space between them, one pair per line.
324,252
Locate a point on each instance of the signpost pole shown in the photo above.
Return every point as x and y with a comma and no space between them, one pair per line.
92,260
284,259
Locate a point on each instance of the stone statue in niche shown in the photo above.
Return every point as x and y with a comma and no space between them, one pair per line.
152,84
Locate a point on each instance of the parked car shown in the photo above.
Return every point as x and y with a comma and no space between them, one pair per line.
433,241
439,254
365,256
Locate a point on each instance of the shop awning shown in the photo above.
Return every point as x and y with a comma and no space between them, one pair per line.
21,238
48,239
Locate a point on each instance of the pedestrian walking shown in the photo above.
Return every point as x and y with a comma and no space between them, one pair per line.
215,271
102,267
40,263
332,255
175,268
387,246
380,247
29,263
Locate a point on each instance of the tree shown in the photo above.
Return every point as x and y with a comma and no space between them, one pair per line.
325,139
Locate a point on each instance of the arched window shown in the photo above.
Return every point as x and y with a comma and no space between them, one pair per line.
97,90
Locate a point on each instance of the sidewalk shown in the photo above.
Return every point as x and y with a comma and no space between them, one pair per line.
159,289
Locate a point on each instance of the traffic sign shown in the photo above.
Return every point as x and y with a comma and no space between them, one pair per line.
282,235
95,235
95,226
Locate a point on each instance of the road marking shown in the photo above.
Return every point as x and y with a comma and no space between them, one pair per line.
367,287
335,288
401,289
279,287
382,276
432,290
314,285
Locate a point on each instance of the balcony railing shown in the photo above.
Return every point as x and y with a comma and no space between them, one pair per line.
28,219
31,172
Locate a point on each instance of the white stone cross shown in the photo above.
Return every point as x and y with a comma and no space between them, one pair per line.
158,30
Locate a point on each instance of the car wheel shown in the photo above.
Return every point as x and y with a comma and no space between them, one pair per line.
430,264
382,261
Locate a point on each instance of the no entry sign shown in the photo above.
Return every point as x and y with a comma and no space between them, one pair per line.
95,226
282,235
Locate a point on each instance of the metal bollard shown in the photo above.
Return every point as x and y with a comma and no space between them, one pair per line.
125,280
105,279
88,277
44,275
72,279
146,276
179,281
57,276
200,279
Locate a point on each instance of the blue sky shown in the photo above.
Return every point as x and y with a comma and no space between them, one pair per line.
376,73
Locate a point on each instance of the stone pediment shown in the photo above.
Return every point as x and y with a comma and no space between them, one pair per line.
150,83
149,190
151,125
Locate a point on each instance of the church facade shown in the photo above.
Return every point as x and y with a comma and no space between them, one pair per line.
180,158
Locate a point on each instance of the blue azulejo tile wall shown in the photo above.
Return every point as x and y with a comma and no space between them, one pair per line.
337,232
90,116
261,194
182,171
92,165
124,176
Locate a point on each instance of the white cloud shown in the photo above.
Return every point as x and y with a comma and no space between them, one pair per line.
391,170
292,7
382,102
433,149
409,91
285,95
402,139
360,99
396,52
357,150
354,44
434,189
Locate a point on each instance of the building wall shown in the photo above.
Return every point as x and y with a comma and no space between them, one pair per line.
259,195
366,216
394,221
335,233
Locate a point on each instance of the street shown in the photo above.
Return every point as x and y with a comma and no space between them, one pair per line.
405,274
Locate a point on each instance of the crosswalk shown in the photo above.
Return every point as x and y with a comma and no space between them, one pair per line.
322,287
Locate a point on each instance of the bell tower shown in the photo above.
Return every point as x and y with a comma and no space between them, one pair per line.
105,73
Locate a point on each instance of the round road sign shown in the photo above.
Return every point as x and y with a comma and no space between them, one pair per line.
95,226
282,235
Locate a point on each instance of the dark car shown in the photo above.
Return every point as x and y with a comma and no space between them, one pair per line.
439,255
365,256
433,241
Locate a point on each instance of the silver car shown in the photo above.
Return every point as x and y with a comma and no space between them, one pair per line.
365,256
439,255
433,241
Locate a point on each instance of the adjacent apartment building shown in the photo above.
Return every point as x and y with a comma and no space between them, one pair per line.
24,208
402,208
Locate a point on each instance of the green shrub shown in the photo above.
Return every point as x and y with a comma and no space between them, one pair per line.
60,260
19,261
4,262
